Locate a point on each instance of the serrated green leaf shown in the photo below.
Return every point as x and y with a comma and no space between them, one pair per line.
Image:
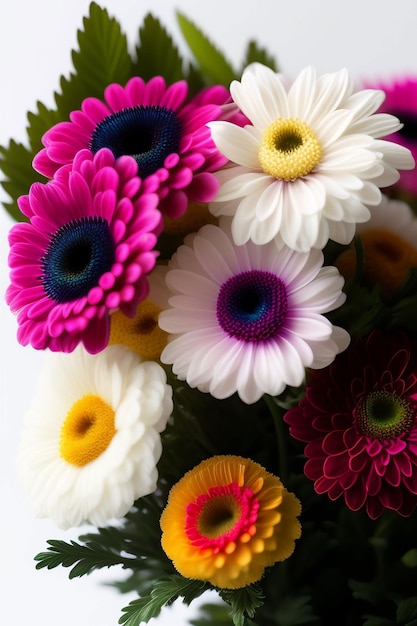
211,61
102,58
16,165
39,122
84,558
156,53
257,54
163,593
243,602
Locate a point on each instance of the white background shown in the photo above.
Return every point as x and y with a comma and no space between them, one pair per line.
372,38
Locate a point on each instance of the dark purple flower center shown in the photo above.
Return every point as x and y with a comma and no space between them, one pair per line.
252,306
385,415
147,133
409,130
77,255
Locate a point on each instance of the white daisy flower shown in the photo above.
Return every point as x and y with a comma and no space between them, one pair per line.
91,440
249,318
311,163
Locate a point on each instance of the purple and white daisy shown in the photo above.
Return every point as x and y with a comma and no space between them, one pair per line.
248,319
156,125
85,252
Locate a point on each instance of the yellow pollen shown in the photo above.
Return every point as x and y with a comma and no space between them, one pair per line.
289,149
87,430
141,333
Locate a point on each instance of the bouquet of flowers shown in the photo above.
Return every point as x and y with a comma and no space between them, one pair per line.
227,303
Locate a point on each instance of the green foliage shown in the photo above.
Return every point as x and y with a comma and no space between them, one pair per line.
103,551
209,614
164,592
102,58
257,54
212,63
157,55
243,602
16,165
295,610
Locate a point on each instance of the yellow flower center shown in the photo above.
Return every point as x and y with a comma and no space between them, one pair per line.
141,333
87,430
289,149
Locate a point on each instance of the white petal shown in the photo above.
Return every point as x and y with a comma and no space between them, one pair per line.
235,143
261,96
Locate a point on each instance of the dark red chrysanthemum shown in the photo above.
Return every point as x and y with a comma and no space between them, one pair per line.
359,421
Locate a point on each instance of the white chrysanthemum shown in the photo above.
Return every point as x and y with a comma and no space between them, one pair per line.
311,163
91,439
249,318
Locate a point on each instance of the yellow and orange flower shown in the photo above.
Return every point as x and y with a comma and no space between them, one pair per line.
227,520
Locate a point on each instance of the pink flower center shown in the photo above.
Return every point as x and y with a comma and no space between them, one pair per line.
222,516
384,415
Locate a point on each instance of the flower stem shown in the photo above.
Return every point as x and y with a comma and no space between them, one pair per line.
276,415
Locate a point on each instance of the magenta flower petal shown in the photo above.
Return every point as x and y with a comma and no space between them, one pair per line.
401,101
173,144
358,420
92,248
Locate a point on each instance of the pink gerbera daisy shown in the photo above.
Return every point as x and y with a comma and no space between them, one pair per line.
401,101
153,123
359,420
85,252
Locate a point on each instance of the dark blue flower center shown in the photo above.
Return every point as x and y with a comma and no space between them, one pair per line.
147,133
409,130
77,255
252,306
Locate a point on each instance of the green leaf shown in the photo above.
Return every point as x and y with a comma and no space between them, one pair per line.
164,592
257,54
102,58
156,53
39,123
243,602
371,592
16,165
209,614
85,558
410,558
212,62
295,610
407,611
